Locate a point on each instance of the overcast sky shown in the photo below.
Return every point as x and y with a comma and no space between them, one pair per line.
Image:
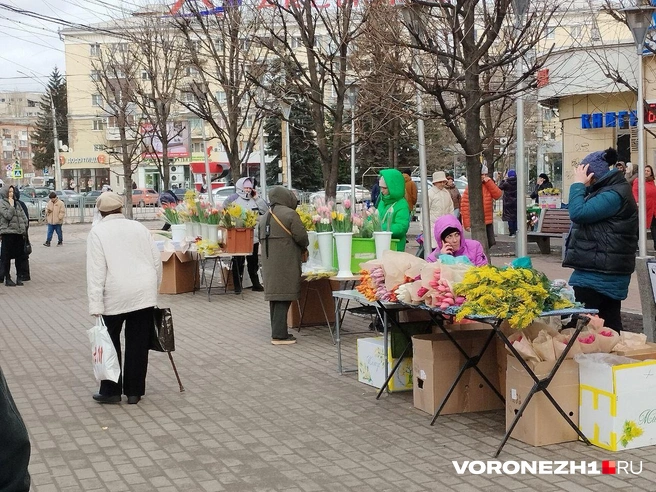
33,46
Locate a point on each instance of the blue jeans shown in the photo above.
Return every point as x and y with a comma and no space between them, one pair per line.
52,228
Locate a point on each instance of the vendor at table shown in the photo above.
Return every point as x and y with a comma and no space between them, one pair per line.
450,240
393,208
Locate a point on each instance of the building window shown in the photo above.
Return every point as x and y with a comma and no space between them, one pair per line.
7,154
187,97
248,122
575,32
218,44
96,100
197,148
95,75
24,154
94,49
191,71
99,148
221,97
550,32
98,124
22,143
145,75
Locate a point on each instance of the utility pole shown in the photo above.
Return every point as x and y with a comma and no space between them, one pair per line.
58,176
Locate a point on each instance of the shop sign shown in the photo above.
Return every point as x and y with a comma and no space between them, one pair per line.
610,119
99,159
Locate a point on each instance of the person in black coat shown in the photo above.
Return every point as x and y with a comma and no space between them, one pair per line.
542,183
15,449
375,193
509,187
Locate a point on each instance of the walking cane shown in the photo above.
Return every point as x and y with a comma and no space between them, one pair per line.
175,370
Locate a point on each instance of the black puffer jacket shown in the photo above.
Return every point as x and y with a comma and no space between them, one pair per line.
607,246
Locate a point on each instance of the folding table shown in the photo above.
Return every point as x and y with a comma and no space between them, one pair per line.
539,385
218,259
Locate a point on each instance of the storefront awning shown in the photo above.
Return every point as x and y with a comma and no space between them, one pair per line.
220,169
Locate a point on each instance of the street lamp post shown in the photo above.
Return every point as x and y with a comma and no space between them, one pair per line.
353,97
412,17
639,20
520,7
286,109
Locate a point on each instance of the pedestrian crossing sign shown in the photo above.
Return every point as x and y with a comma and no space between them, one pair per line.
18,173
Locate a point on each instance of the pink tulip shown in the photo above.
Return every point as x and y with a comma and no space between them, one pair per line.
347,203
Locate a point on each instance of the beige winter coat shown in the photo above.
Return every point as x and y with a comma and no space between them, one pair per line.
439,203
55,212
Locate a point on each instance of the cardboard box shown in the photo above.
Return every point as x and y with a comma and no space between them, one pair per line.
618,402
178,272
437,362
648,352
371,366
316,299
541,424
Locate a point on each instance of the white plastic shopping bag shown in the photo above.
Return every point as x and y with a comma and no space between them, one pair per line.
105,360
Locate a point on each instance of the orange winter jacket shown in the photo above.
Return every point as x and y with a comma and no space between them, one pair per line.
491,192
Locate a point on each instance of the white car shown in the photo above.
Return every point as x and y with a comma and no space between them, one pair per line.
343,192
220,194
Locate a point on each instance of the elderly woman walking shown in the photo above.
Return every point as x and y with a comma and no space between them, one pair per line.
13,228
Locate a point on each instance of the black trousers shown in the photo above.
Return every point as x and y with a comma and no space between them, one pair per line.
139,326
252,262
13,246
609,309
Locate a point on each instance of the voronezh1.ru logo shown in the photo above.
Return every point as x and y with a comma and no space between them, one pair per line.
548,467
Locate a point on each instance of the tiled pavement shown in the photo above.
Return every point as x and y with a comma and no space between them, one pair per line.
254,417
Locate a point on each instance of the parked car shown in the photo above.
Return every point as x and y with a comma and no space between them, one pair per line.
461,184
91,197
32,192
343,192
180,192
36,208
69,197
144,196
220,194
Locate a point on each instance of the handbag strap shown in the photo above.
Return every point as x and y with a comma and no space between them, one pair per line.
280,223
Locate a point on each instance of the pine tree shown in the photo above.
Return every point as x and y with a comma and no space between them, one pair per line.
43,138
306,165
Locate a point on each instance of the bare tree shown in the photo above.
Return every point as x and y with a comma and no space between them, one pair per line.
228,64
115,77
314,41
161,57
464,54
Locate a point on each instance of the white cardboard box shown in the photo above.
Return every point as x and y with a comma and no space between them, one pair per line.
618,401
371,366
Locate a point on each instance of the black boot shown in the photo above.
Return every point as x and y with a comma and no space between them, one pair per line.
19,282
47,243
9,282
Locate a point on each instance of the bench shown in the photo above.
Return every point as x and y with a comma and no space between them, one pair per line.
553,222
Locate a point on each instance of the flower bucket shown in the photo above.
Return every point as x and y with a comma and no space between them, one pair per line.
178,232
325,240
213,234
195,229
343,245
189,230
204,233
313,247
238,240
383,242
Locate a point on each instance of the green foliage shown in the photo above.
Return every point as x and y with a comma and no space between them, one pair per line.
43,138
306,165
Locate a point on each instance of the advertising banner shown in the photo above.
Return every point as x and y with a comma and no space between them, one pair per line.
178,140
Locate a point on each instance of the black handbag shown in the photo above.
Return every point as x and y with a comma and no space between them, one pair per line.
27,247
162,339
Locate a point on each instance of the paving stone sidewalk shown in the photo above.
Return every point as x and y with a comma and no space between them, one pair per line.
253,417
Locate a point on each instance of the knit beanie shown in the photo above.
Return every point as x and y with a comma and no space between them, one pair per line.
447,231
599,162
512,173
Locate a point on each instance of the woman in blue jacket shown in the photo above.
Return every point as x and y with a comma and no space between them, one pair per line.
603,239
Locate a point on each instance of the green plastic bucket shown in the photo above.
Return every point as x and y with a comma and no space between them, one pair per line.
362,250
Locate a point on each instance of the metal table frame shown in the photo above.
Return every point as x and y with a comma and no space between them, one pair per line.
219,259
471,361
539,385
